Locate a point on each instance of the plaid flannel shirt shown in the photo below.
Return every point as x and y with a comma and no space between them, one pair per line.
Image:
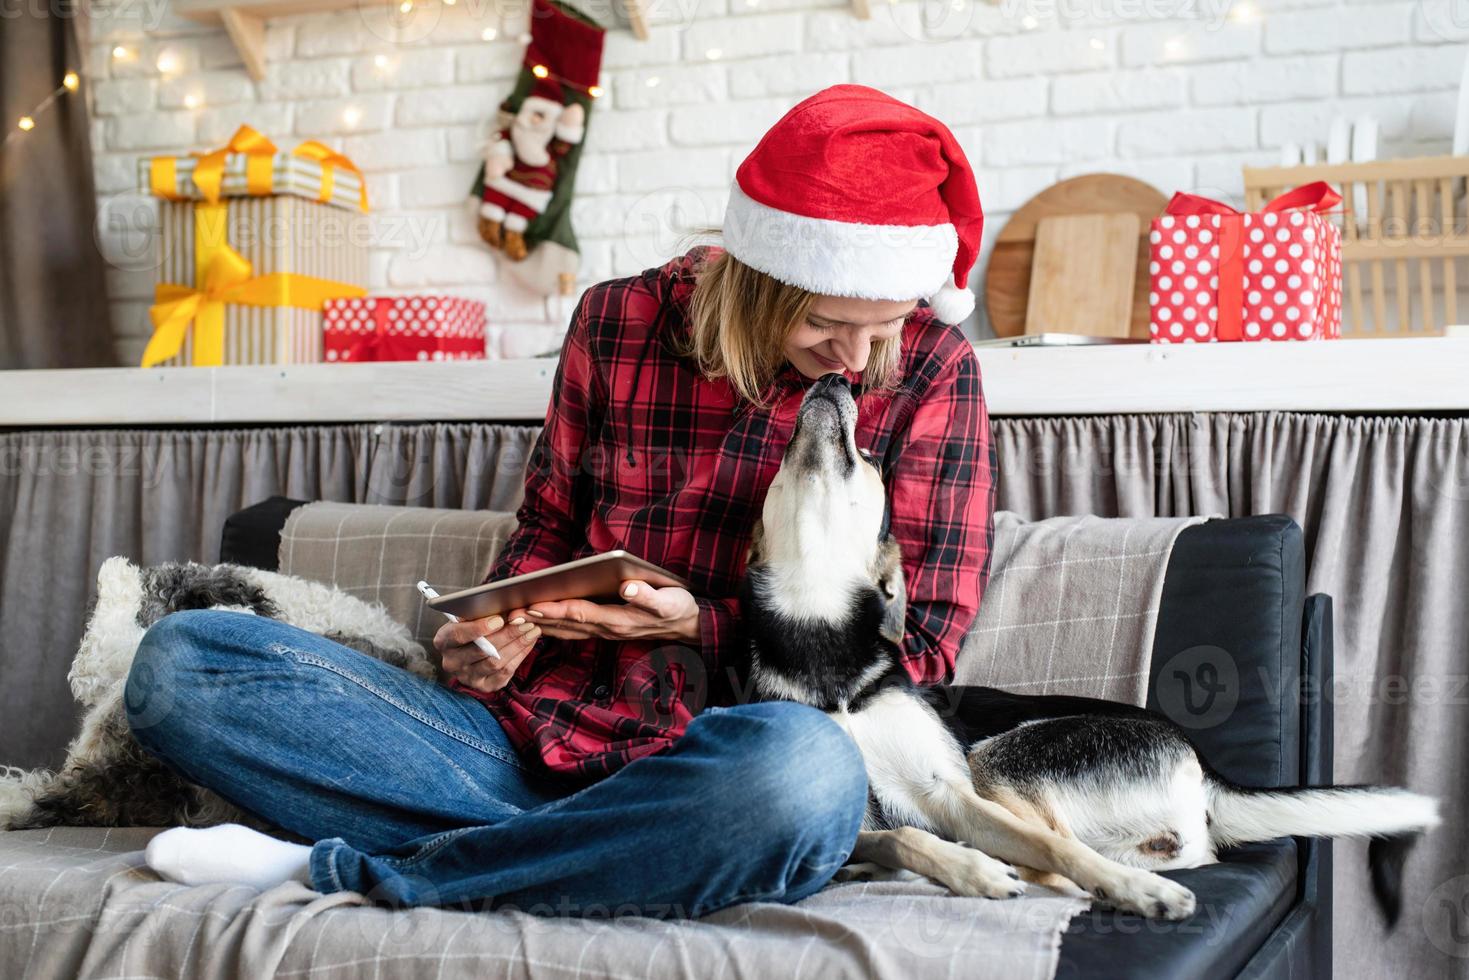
639,451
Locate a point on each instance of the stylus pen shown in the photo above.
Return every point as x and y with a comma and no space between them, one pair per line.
483,642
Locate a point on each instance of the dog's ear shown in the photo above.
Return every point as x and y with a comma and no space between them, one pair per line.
887,574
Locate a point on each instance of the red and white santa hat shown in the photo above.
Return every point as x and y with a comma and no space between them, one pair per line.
853,193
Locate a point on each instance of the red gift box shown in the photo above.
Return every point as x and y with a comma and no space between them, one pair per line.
1218,274
403,328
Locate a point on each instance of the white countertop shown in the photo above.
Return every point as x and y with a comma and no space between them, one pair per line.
1399,374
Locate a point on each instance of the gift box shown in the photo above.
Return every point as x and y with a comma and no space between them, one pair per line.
253,242
1218,274
404,328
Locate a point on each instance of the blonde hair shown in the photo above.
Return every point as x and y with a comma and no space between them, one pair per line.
741,319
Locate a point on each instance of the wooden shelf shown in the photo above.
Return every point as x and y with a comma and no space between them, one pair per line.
1397,375
244,20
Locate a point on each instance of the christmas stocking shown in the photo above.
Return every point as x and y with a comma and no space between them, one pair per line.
525,185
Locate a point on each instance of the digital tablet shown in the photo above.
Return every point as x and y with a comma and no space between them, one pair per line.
595,577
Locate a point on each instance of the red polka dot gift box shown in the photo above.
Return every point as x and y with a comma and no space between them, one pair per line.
403,328
1217,274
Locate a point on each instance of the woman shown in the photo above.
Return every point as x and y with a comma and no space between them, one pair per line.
607,761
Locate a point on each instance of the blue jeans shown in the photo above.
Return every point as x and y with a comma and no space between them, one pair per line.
413,795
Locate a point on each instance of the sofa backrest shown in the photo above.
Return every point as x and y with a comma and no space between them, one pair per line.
1227,643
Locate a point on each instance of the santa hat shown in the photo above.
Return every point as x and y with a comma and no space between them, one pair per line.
853,193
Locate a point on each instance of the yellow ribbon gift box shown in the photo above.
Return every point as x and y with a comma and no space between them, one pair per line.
254,242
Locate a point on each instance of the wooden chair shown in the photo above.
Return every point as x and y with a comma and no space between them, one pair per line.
1414,216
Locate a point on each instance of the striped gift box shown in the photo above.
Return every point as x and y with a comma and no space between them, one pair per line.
281,233
292,175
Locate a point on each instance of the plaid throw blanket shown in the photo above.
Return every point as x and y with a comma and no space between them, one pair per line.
1071,606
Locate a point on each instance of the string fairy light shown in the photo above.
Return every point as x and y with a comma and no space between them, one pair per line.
541,71
70,82
1244,13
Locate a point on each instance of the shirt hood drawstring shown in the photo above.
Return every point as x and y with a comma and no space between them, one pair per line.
637,376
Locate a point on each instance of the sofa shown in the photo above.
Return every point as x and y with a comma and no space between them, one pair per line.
1240,656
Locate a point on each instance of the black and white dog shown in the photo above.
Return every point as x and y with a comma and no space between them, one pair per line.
1100,794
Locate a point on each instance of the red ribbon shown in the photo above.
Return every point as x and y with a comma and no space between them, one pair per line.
370,346
1316,197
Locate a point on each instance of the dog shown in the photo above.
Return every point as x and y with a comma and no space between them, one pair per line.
108,779
1071,791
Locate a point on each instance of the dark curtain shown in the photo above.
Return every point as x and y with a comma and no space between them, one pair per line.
53,287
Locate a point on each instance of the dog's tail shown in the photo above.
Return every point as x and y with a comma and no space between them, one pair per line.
1393,818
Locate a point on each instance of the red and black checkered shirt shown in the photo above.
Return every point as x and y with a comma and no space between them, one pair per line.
641,452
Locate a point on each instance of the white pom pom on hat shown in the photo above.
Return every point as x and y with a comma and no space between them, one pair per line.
952,304
853,193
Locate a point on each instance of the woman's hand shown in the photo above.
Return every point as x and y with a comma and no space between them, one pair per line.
470,665
648,614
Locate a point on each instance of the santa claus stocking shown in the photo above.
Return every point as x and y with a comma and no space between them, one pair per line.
525,186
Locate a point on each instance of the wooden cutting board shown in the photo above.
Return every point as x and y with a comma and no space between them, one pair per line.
1082,274
1007,277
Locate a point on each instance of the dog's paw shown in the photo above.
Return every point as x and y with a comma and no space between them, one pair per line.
977,875
1147,894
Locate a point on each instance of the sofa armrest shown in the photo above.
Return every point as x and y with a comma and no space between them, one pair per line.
253,536
1243,660
1227,647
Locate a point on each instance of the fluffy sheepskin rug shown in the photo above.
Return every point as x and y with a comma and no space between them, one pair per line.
108,780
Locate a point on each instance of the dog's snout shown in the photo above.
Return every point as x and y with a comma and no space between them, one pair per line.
835,380
834,388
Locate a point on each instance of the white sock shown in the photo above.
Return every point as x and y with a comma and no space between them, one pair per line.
227,854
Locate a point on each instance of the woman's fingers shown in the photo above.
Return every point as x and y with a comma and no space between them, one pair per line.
508,641
641,595
453,634
474,669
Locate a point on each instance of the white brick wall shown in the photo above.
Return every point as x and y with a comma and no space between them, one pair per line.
1181,94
